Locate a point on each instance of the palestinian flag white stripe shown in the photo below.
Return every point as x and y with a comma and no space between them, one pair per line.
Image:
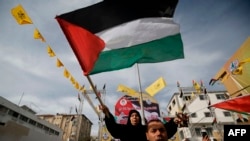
138,32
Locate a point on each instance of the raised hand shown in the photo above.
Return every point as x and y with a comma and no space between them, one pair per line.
181,119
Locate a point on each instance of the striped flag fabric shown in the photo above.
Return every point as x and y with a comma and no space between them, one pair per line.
116,34
239,104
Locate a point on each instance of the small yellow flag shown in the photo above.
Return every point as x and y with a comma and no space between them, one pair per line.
192,95
76,85
20,15
239,69
196,86
72,79
82,88
59,63
105,134
244,61
66,73
155,87
38,35
127,90
50,51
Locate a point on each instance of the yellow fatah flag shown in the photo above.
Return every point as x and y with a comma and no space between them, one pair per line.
155,87
59,63
239,69
82,88
20,15
105,134
197,86
72,79
38,35
66,73
50,52
76,85
244,61
192,95
127,90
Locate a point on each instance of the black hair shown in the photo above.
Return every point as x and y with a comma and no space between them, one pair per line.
153,120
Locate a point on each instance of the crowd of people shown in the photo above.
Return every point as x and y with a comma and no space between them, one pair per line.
134,130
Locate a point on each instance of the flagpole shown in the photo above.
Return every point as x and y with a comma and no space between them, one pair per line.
20,99
141,96
94,89
96,93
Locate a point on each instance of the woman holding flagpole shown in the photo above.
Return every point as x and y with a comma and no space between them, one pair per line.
133,130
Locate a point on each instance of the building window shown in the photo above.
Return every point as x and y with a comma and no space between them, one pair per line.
202,97
39,125
13,113
220,96
209,131
207,114
173,103
187,98
23,118
32,122
197,132
169,108
181,134
193,115
3,109
46,128
227,114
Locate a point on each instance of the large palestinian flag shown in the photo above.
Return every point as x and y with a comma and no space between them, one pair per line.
116,34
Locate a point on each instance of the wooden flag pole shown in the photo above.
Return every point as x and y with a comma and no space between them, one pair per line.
141,97
96,93
94,89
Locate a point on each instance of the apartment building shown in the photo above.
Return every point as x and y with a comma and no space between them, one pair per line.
202,117
76,127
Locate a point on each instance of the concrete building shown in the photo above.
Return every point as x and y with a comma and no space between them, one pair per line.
202,118
76,127
21,124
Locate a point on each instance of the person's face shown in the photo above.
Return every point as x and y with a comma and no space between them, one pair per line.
134,119
156,131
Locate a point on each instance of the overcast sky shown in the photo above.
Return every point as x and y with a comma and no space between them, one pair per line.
211,31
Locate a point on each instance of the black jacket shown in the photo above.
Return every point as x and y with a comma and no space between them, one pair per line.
129,132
